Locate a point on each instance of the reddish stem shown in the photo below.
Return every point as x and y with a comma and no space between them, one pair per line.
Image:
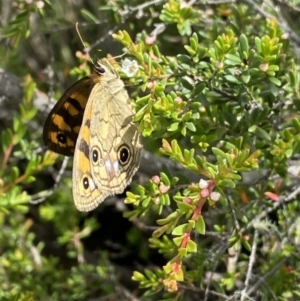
198,210
7,155
196,215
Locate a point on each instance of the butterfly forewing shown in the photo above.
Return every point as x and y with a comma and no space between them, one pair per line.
64,121
115,161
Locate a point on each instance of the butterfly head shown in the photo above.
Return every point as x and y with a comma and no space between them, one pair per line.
104,66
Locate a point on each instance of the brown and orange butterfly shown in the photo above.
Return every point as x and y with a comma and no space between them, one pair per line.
93,121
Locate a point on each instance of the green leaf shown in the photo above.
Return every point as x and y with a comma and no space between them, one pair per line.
168,219
199,88
252,129
231,79
88,15
184,58
190,50
246,245
15,173
190,126
146,201
137,276
218,152
244,46
173,127
229,183
160,231
275,81
262,133
178,240
233,58
296,124
200,225
191,246
7,137
164,178
184,207
180,230
246,76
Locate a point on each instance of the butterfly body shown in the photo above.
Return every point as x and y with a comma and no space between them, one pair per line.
93,121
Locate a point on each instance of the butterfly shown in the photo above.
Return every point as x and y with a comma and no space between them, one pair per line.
93,121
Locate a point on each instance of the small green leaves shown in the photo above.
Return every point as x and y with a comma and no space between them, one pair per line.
183,16
150,280
186,157
195,50
14,199
15,146
137,276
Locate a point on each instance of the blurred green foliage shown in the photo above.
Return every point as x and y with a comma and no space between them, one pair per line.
217,91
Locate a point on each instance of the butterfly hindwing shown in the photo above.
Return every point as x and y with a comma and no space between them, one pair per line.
86,194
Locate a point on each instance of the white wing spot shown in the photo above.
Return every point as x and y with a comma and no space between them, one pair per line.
108,166
92,184
116,167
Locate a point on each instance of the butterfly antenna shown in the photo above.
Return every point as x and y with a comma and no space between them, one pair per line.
86,49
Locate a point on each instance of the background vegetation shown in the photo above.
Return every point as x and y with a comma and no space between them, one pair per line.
213,213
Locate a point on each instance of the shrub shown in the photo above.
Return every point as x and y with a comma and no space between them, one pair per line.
214,214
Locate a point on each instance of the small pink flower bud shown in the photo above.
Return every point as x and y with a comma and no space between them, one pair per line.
150,40
155,179
151,85
219,65
204,193
233,156
163,188
263,67
178,100
187,200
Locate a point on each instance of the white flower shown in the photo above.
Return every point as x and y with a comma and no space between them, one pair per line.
130,68
215,196
40,4
203,184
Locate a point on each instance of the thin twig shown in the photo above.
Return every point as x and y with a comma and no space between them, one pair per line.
236,222
233,253
140,7
262,279
268,210
57,180
244,293
219,251
99,41
196,289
